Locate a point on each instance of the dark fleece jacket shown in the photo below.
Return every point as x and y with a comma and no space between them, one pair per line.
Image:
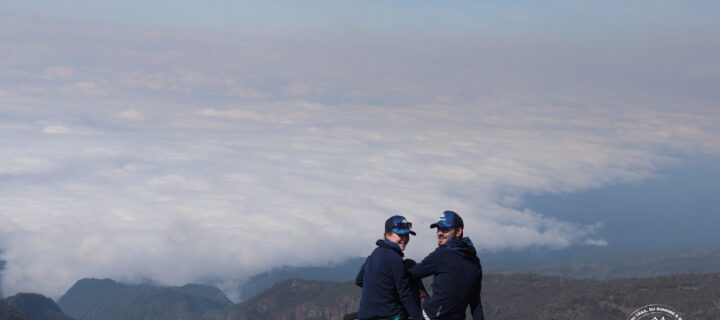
457,282
386,284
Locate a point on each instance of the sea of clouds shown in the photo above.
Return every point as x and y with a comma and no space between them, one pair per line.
188,156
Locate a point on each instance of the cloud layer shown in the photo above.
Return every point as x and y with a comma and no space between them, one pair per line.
189,156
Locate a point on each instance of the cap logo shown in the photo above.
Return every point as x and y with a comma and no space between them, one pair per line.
442,218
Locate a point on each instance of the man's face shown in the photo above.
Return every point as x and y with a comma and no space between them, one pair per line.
445,234
401,239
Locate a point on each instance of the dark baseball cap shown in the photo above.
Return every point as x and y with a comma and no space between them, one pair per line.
399,225
449,219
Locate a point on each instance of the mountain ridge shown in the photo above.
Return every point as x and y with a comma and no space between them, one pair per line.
505,297
32,306
578,263
108,299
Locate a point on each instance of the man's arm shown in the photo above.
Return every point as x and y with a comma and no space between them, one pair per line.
360,275
475,301
404,288
427,266
417,284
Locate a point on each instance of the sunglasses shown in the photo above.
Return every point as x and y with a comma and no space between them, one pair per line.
402,225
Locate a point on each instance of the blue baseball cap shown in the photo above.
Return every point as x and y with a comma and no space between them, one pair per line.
449,219
399,225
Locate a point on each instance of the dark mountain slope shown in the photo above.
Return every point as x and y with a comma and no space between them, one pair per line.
505,297
542,297
297,299
584,262
508,297
107,299
7,312
36,306
344,271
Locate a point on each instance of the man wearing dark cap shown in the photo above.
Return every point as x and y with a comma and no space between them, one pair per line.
457,271
387,290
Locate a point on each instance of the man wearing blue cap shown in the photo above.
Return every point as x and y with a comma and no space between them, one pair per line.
387,289
457,271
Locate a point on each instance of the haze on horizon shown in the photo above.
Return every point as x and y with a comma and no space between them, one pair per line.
182,142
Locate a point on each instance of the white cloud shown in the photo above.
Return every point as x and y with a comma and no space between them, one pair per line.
270,117
131,114
301,89
56,129
19,165
183,80
180,197
83,87
58,72
246,92
594,242
178,182
193,187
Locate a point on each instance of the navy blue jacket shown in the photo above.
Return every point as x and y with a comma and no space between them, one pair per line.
457,282
386,284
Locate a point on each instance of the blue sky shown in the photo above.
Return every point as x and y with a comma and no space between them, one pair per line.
140,137
677,208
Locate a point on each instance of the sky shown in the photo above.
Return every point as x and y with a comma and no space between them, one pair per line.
178,141
676,208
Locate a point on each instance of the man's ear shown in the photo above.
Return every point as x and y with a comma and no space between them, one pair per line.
459,232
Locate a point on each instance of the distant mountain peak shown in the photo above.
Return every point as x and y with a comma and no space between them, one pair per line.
108,299
37,306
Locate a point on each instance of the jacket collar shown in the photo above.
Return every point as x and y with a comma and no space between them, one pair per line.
463,247
390,245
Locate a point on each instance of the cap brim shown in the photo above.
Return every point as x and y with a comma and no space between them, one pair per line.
404,231
441,224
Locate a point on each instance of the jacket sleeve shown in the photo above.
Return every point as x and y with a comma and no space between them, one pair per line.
417,284
427,266
475,302
360,275
402,284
